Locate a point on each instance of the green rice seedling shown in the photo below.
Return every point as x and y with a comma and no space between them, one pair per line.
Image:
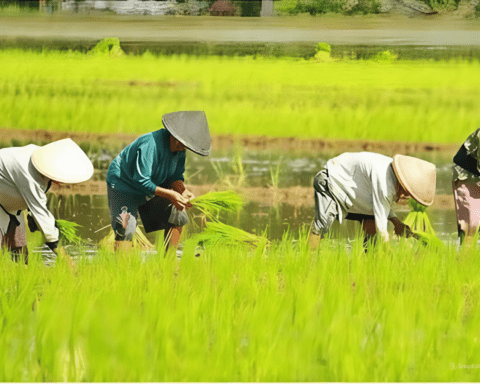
236,178
417,219
216,232
420,225
418,101
239,178
428,239
139,240
213,203
68,232
275,174
285,315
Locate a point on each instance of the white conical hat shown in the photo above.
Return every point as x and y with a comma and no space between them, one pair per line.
417,177
63,161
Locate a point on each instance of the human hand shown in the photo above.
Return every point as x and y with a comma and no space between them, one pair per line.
402,229
190,196
187,194
178,200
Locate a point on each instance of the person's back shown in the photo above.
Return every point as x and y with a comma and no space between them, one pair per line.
18,176
365,180
146,163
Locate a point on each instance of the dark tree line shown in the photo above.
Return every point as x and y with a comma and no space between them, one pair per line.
22,3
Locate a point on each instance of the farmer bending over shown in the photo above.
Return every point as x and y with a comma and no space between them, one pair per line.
466,187
364,186
26,174
147,177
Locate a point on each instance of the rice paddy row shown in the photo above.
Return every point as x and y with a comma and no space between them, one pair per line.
398,100
281,313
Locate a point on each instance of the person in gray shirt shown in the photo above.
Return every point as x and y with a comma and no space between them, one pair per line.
26,174
364,186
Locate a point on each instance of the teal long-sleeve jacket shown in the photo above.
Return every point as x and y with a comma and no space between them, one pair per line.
145,164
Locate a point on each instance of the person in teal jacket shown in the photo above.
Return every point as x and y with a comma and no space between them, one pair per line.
147,178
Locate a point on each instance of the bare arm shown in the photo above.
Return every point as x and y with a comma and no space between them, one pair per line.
179,186
400,228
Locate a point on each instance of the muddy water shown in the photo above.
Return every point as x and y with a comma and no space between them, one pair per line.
93,216
254,218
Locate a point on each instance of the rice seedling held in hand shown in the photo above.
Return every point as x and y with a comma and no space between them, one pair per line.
420,225
213,203
68,232
139,240
216,232
417,219
428,239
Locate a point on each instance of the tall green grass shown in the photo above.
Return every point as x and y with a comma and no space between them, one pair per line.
402,100
285,314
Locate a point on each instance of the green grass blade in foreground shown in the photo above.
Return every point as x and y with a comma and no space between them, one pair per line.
139,240
288,314
217,232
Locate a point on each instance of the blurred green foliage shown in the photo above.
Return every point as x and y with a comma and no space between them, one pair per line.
403,312
366,99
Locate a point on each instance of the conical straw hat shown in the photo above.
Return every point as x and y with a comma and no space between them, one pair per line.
191,129
417,177
63,161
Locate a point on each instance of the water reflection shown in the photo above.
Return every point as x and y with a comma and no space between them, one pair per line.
92,214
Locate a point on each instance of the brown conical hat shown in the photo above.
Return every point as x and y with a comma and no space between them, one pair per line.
417,177
63,161
191,129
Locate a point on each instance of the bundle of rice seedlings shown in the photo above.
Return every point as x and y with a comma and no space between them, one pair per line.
419,223
428,239
213,203
417,219
68,232
216,232
139,240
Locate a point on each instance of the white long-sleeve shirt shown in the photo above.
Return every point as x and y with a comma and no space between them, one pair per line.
22,187
364,183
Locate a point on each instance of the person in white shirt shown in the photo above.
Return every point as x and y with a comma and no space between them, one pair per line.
364,186
26,174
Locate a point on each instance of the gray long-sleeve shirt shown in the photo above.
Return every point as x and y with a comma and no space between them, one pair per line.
22,187
364,183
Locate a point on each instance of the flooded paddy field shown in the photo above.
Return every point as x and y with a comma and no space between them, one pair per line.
274,217
279,311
